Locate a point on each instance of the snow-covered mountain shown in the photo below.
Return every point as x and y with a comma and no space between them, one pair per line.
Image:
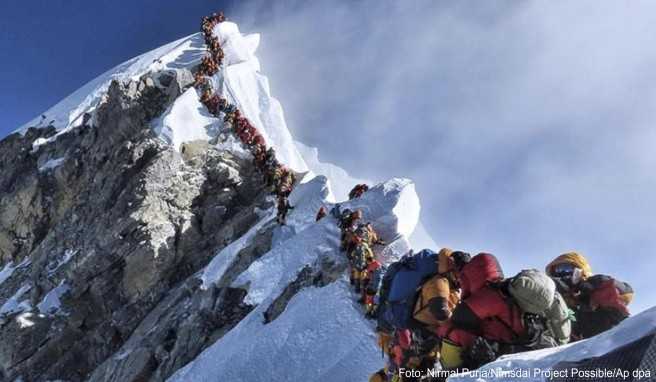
138,243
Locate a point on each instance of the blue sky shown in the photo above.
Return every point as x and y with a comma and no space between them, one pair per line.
528,127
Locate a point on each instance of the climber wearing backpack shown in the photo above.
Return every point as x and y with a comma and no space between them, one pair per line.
500,316
346,222
208,65
365,232
599,302
211,101
358,190
567,271
285,183
283,210
371,282
200,81
603,304
418,293
359,257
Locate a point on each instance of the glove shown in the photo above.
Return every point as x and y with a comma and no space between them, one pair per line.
481,352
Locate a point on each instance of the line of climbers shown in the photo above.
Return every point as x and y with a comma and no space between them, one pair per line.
278,177
449,310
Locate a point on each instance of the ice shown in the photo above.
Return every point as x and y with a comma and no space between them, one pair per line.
186,120
16,303
242,84
54,266
341,183
236,47
628,331
215,270
7,271
321,336
51,302
9,268
25,320
51,164
67,114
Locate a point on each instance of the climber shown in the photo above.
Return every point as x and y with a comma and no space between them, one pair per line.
208,66
321,213
397,346
283,210
259,152
371,280
284,181
418,293
359,257
599,302
365,232
358,190
231,115
499,316
346,222
200,80
603,304
210,100
270,164
439,295
567,271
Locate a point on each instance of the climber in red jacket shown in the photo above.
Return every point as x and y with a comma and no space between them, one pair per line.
484,311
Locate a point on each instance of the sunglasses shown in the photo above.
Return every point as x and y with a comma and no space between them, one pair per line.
567,271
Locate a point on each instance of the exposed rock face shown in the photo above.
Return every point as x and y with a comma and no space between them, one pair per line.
113,223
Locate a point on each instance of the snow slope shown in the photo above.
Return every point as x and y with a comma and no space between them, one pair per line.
628,331
67,114
322,334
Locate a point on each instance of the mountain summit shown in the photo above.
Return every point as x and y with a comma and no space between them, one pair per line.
138,241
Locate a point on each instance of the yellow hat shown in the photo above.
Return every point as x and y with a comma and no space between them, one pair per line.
573,258
443,263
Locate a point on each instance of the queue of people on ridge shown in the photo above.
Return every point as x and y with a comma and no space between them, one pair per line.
278,177
453,311
448,308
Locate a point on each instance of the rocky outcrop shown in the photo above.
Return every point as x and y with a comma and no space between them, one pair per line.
104,226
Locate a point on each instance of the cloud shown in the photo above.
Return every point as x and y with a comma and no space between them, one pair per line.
528,127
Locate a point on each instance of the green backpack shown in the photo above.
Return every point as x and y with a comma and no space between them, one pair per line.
535,293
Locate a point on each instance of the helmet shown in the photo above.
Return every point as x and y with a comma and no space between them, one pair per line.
564,264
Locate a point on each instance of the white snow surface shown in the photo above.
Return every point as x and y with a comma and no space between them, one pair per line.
51,302
51,164
322,334
628,331
17,303
184,121
242,84
9,268
67,114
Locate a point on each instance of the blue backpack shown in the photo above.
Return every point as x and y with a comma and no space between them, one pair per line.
376,280
399,288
